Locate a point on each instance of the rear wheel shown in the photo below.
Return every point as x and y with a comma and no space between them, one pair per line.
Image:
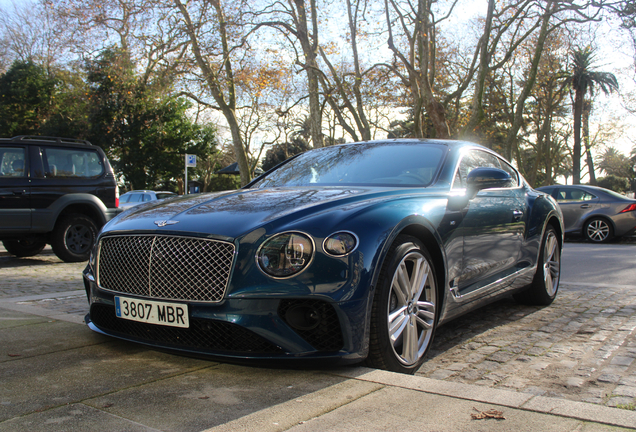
404,312
598,230
545,284
73,238
24,247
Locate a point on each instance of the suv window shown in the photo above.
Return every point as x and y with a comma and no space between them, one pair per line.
12,162
81,163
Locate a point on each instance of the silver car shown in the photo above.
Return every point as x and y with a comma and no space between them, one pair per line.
596,213
135,197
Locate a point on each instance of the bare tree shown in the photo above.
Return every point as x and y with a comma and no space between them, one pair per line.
209,39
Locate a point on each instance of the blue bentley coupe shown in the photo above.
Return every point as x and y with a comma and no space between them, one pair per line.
355,252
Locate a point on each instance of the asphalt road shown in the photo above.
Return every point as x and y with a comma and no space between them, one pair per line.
606,263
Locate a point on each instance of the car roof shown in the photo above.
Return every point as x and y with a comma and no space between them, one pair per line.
33,139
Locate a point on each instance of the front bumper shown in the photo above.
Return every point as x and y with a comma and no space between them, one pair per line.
257,328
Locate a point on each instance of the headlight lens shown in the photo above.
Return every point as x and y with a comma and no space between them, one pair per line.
340,244
285,254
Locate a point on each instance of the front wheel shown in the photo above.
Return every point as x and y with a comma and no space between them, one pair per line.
545,284
404,312
73,238
598,230
22,248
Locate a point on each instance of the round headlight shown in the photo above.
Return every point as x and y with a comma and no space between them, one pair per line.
285,254
340,244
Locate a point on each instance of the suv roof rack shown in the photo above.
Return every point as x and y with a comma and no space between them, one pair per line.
57,140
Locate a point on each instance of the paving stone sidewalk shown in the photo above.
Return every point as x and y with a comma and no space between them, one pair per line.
580,348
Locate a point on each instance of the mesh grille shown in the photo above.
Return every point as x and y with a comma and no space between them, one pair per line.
163,267
327,335
203,335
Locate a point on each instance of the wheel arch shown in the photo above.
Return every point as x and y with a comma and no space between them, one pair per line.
84,209
434,248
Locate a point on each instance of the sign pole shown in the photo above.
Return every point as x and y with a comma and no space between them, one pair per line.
190,161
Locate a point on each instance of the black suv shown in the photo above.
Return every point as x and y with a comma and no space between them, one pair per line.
54,190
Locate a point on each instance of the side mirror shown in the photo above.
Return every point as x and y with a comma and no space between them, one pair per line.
486,178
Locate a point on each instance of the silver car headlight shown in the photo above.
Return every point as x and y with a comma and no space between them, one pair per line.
285,254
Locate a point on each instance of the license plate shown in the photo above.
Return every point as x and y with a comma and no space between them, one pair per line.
152,312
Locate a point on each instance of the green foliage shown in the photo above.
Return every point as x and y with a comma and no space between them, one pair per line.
28,93
146,133
616,164
585,78
282,152
615,183
222,182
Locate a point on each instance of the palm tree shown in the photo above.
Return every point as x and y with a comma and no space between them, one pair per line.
583,80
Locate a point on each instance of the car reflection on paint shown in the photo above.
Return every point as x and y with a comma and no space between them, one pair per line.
351,253
595,213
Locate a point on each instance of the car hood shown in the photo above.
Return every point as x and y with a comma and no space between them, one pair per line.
235,213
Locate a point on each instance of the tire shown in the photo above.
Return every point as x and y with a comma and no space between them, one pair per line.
26,247
545,283
598,230
404,315
73,238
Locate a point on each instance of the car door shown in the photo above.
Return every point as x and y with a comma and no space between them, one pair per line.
15,189
576,204
66,170
492,227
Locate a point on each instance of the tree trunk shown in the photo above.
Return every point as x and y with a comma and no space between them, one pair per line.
587,108
227,105
309,44
576,149
511,138
477,109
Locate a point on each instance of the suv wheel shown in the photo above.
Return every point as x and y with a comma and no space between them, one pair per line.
26,247
73,238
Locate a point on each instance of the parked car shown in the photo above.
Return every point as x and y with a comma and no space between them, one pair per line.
54,190
349,252
136,197
595,213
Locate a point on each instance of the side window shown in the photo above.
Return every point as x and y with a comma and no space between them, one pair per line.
146,198
510,170
12,162
471,160
124,198
574,195
134,197
73,162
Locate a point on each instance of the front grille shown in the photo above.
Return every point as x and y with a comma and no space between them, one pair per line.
165,267
327,334
203,335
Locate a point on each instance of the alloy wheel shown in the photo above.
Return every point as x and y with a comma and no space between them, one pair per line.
411,308
551,263
598,230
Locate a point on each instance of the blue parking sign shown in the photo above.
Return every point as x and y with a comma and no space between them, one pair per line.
191,160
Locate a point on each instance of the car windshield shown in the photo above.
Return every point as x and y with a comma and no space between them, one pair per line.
377,164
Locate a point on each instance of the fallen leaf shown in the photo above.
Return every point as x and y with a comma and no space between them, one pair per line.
15,355
204,397
492,413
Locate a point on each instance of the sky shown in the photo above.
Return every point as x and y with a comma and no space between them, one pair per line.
615,55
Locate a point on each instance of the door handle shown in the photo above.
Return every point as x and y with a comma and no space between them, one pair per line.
517,214
585,206
19,192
